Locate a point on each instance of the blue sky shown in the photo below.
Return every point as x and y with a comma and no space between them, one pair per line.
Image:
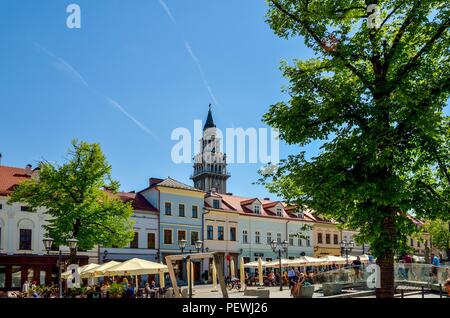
135,71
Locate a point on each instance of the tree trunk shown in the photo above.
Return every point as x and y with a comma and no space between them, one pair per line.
386,261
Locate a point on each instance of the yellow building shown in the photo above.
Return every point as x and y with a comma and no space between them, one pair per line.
326,237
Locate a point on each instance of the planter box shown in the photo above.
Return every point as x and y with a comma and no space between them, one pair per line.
330,289
260,293
306,292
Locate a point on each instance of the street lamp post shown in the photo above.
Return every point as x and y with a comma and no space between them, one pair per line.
347,247
105,255
48,242
199,247
279,247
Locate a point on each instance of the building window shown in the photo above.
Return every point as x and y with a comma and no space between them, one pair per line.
195,212
269,238
210,232
168,208
25,208
16,276
151,241
291,241
412,243
300,243
1,206
279,238
167,237
181,210
327,238
256,209
245,236
257,238
181,235
308,242
2,276
135,242
220,233
279,212
319,238
232,234
418,244
25,240
194,237
216,204
335,239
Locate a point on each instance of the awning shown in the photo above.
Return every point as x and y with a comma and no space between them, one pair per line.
136,266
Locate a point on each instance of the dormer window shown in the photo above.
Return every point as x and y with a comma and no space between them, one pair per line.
216,204
279,212
256,209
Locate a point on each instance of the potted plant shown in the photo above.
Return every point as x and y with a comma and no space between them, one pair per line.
116,290
447,286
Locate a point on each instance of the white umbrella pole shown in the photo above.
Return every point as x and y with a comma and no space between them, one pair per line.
242,274
188,273
214,276
161,280
260,272
192,275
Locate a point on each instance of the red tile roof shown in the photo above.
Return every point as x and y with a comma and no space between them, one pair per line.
10,177
137,200
238,204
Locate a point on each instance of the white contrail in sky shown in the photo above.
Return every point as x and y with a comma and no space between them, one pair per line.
166,8
200,70
191,53
62,65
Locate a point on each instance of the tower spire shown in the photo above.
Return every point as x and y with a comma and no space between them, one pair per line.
209,120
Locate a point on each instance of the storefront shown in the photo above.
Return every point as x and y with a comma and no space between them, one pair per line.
43,269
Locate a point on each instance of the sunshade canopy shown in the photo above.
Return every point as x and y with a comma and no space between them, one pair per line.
254,264
98,271
284,263
136,266
81,269
335,259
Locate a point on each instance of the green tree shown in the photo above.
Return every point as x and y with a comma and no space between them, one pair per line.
440,235
373,96
77,204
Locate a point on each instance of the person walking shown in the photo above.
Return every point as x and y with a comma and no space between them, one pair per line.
435,263
25,288
356,264
407,260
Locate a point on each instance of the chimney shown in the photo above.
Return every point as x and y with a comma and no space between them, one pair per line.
229,193
154,181
267,199
28,169
213,190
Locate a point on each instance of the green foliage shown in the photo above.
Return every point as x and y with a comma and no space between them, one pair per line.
301,234
116,289
74,198
374,99
440,234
